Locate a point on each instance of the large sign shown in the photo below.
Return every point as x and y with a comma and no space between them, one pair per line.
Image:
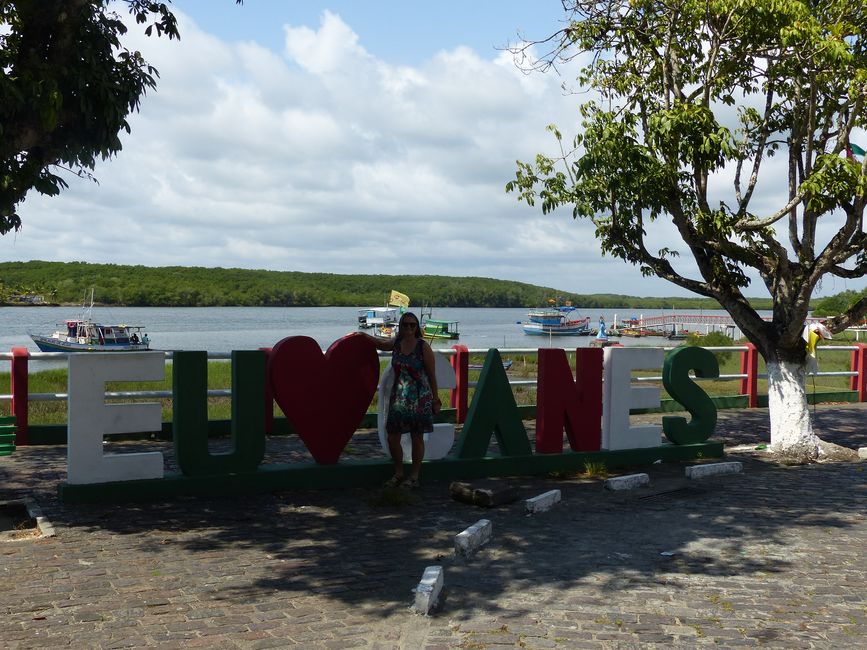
325,396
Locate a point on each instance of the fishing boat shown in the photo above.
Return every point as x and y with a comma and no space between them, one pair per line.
440,329
556,321
86,335
383,320
371,317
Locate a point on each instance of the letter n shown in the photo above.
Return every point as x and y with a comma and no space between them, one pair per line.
190,423
562,403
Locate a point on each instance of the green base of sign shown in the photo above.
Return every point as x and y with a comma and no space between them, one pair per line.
369,473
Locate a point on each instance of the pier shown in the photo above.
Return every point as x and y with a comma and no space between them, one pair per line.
706,323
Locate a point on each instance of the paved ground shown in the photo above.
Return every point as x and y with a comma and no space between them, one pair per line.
773,557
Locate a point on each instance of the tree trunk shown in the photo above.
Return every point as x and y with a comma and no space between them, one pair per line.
792,433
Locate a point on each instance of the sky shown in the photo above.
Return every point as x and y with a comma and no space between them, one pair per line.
341,137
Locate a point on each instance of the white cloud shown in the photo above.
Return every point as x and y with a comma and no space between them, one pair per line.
324,158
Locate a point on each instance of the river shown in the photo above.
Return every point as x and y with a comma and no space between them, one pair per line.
222,329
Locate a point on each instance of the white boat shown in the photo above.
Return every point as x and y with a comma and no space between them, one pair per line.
383,320
85,335
371,317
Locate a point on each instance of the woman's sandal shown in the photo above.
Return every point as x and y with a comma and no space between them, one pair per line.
394,481
410,484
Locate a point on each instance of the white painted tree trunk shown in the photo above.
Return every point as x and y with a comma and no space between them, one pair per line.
791,428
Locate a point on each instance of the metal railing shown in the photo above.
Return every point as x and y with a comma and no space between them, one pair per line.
459,356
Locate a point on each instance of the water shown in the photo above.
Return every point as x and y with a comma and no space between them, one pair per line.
222,329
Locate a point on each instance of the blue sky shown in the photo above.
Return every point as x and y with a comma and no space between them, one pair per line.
344,137
406,32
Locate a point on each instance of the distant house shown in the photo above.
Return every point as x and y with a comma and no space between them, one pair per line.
27,299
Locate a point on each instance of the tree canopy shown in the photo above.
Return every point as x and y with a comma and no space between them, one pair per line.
67,86
190,286
693,95
696,96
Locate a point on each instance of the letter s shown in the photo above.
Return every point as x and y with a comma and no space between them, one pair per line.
676,379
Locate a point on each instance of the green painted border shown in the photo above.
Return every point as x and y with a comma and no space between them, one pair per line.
368,473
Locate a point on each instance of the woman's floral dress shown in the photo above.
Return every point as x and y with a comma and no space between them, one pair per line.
411,407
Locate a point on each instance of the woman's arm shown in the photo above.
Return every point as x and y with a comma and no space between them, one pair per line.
379,343
430,367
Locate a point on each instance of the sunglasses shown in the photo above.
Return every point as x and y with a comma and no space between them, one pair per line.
409,324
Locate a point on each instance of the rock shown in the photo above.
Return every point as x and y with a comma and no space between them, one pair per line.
487,494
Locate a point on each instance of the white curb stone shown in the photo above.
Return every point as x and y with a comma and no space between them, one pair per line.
862,452
42,523
628,482
428,590
543,502
714,469
470,540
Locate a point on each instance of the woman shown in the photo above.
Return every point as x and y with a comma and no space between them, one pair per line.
414,399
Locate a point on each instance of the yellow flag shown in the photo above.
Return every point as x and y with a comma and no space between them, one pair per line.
399,299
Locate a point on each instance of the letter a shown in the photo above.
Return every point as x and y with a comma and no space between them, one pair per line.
493,411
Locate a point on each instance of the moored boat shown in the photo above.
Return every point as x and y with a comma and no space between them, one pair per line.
86,335
440,329
383,320
556,321
371,317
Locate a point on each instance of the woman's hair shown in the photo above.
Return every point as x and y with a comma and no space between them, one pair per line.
406,315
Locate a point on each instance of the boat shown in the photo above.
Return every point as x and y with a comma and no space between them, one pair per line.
371,317
605,343
440,329
86,335
383,320
556,321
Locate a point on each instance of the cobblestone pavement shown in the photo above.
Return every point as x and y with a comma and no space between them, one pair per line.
773,557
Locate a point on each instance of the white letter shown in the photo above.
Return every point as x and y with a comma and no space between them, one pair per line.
619,396
90,418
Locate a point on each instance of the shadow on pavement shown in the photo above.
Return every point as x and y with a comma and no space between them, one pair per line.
345,545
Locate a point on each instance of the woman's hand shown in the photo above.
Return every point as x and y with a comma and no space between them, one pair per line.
437,405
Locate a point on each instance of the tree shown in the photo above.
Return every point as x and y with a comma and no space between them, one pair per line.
67,86
698,95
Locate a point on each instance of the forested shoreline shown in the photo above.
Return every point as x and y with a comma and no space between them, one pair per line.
183,286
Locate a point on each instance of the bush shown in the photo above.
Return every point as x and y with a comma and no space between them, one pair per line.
713,340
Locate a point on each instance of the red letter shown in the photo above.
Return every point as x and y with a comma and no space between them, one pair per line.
562,403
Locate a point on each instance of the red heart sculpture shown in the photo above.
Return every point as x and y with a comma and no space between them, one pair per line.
324,397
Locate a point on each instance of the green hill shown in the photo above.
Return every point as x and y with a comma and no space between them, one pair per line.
184,286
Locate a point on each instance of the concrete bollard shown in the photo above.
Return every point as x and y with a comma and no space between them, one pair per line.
472,539
628,482
714,469
543,502
427,592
